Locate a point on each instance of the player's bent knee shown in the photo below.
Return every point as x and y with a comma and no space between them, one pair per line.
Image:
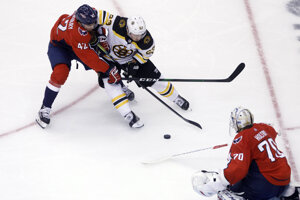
60,74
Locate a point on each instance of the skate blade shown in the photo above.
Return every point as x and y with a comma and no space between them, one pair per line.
41,123
138,124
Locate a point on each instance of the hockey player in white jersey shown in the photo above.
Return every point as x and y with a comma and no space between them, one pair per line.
131,46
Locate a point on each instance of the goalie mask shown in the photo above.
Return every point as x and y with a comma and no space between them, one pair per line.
136,28
240,118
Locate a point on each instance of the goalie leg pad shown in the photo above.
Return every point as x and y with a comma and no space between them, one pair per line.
229,195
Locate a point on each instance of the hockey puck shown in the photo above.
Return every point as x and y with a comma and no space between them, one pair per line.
167,136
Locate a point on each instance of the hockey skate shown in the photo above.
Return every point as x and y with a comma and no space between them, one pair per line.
43,118
182,103
128,92
133,120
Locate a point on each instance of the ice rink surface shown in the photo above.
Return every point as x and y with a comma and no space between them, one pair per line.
89,152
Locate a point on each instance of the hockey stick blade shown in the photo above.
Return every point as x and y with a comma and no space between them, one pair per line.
164,158
192,122
236,72
161,101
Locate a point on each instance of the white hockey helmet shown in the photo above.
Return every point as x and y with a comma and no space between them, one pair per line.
240,118
136,28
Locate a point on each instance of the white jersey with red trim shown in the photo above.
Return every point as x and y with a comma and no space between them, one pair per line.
122,48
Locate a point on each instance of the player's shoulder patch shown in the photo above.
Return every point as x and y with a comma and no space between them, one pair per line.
79,34
82,32
237,140
146,42
119,26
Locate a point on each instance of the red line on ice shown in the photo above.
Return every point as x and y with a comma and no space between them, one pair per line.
292,128
271,89
88,93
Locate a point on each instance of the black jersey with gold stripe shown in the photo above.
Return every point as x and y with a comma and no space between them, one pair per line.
122,48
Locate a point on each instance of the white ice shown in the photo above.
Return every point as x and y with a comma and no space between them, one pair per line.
89,152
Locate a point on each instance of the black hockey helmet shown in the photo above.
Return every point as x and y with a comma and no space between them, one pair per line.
85,14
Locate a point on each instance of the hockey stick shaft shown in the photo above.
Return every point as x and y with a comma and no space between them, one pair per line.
197,150
187,120
181,154
234,74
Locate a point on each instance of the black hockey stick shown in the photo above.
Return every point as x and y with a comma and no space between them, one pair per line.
187,120
234,74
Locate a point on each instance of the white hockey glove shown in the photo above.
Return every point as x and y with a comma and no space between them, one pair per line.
208,183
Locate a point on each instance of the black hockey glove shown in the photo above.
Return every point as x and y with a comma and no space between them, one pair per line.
99,41
131,69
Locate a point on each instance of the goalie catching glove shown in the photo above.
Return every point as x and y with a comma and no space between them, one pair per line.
208,183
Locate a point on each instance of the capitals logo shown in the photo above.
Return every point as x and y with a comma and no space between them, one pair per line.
82,32
237,140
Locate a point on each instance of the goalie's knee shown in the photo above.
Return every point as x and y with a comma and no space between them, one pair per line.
60,74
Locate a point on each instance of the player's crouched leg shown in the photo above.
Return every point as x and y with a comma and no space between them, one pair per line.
166,89
129,93
121,103
58,77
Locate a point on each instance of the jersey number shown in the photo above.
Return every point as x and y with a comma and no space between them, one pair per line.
239,156
267,145
63,27
82,46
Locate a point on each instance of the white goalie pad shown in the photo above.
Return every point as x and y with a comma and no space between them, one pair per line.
228,195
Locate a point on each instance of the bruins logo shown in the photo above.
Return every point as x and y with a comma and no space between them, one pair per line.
121,51
147,39
122,23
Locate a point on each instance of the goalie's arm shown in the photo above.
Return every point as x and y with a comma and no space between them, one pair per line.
238,165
